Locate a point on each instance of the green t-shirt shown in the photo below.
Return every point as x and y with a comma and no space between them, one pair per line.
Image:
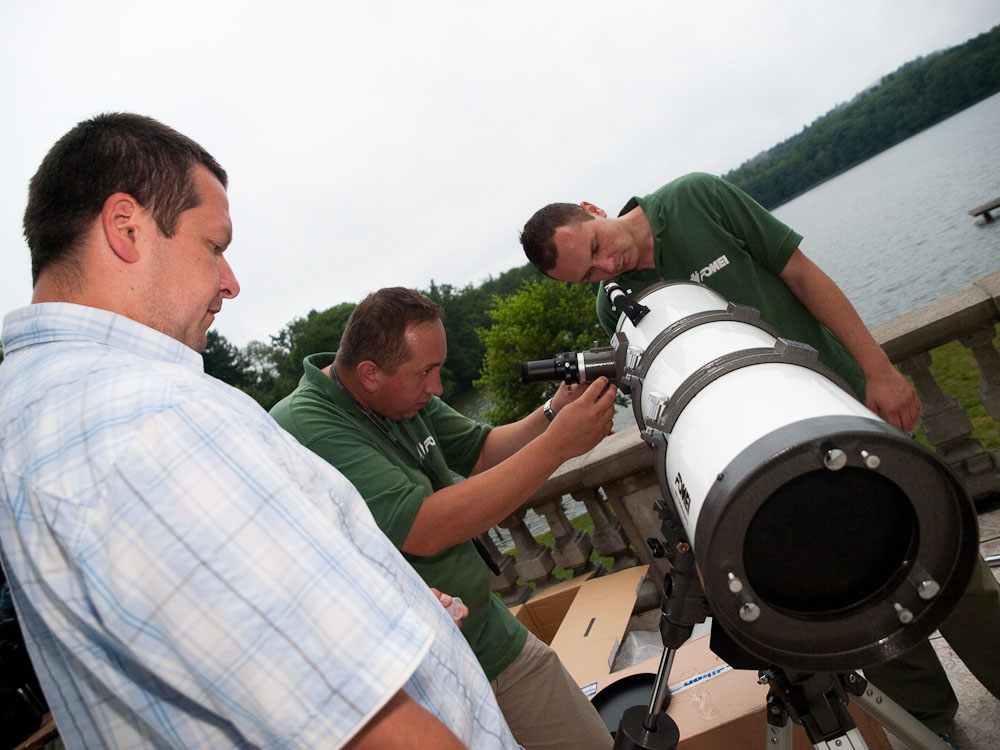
708,230
326,420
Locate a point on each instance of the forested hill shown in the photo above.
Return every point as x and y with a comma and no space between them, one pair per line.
918,95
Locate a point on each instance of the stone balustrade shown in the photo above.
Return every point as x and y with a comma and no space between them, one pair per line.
617,485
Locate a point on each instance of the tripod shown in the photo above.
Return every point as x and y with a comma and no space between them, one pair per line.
816,701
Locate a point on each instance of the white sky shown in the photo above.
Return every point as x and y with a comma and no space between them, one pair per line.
383,143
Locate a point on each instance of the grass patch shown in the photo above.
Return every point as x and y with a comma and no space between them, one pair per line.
956,372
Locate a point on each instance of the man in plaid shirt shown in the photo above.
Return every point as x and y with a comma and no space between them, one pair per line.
185,573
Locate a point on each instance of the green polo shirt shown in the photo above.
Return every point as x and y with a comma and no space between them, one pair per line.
708,230
326,420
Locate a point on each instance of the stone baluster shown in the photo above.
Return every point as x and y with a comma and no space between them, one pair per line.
986,476
534,561
609,538
632,498
947,426
980,343
504,584
572,547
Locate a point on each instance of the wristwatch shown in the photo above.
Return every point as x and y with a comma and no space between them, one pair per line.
547,410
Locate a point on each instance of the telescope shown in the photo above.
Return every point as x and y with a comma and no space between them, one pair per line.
819,538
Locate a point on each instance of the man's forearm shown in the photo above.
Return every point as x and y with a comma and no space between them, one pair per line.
830,306
469,508
403,724
504,441
886,391
462,511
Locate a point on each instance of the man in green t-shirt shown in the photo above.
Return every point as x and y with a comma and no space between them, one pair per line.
373,411
701,228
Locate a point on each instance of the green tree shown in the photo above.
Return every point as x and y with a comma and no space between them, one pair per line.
464,315
269,372
543,319
223,360
261,372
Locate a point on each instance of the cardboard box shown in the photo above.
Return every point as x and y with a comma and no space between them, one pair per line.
594,624
521,613
543,613
715,707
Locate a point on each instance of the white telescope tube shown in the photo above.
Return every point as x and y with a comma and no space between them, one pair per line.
825,539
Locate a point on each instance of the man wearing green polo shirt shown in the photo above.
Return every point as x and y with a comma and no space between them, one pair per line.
701,228
373,411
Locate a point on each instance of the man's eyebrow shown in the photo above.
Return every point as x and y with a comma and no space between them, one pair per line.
224,234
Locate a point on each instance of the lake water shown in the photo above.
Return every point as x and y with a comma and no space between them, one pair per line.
894,232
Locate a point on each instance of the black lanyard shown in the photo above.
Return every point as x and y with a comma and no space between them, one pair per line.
420,457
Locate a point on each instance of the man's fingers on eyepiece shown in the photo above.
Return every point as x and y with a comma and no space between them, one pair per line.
597,388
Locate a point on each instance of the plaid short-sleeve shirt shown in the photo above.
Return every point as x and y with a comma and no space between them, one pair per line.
186,574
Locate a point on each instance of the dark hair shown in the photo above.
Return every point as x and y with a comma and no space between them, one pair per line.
377,327
537,235
108,154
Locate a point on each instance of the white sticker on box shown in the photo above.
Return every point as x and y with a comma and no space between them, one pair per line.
689,682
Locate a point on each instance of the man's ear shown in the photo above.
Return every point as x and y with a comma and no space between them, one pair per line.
590,208
368,375
121,221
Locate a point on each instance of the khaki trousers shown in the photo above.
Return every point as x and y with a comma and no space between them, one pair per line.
544,707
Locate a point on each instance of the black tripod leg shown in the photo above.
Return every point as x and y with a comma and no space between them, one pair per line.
660,697
649,728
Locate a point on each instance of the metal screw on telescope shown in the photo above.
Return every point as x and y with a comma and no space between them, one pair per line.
928,589
749,612
835,459
871,461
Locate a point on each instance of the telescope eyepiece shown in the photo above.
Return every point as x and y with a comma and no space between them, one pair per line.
563,367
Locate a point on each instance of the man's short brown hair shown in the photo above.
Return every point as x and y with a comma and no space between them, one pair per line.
108,154
538,236
376,330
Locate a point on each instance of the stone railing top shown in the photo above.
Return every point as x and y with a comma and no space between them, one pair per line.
618,455
946,319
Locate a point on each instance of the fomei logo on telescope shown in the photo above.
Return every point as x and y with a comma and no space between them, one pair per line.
682,493
719,263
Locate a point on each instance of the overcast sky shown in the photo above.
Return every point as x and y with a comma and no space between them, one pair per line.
384,143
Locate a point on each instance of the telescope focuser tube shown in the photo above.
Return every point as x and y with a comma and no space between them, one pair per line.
572,367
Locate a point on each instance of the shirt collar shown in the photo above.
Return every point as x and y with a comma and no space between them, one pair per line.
652,210
51,322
